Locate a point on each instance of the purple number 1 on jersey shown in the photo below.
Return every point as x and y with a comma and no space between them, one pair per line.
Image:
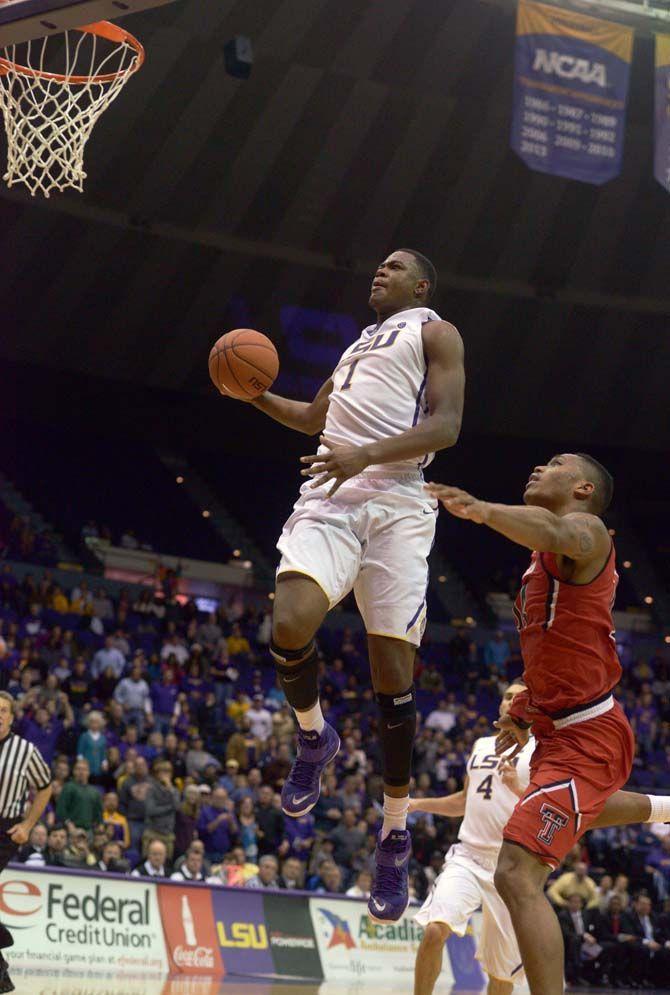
347,383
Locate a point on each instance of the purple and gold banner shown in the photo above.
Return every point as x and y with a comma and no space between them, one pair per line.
570,92
662,111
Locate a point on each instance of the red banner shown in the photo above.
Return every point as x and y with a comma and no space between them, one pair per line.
190,934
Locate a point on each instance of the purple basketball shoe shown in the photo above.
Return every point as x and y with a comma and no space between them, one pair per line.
303,785
389,897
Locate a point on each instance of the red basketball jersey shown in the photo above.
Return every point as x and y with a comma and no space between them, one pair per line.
567,635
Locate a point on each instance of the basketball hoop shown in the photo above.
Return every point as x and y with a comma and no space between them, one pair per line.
49,116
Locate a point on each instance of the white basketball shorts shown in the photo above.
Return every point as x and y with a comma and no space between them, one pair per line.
374,536
464,885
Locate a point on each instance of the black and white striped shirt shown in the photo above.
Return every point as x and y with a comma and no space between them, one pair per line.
21,767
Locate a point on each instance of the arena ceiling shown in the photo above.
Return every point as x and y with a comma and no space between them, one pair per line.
364,126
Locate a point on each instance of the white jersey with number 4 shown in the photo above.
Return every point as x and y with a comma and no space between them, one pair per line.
467,879
380,387
489,803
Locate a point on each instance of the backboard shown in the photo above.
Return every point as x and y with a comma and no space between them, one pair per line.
23,20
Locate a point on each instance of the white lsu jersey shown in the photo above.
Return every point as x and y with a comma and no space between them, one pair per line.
380,387
489,802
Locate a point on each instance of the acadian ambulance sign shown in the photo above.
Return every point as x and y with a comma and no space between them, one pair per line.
79,921
351,944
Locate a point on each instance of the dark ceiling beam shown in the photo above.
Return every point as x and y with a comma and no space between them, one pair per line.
258,249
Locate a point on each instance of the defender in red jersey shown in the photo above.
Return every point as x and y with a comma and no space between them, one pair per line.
567,634
585,745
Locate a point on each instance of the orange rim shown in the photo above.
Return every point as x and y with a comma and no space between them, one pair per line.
103,29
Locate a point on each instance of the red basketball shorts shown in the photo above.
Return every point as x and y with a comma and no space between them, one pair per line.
573,772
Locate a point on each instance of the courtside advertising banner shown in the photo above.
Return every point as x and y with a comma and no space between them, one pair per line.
351,945
241,933
190,933
662,111
290,934
570,92
80,924
77,922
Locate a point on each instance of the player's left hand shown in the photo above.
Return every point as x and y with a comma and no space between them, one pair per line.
19,833
509,776
340,463
510,737
459,502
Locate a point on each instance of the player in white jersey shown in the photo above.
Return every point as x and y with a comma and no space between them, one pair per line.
365,523
491,790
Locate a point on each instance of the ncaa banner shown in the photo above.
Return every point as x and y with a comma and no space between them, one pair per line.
570,91
662,111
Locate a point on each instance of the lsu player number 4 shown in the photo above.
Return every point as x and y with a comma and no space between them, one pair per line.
491,790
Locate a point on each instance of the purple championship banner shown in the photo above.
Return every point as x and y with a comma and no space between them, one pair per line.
662,111
570,91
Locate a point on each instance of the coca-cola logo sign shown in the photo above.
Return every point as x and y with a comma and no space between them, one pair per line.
193,956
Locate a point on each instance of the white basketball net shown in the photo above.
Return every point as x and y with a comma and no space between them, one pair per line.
49,118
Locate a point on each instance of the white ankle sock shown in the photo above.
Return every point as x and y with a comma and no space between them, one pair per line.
395,814
660,808
312,720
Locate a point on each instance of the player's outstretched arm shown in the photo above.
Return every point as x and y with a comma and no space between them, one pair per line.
451,806
302,416
579,536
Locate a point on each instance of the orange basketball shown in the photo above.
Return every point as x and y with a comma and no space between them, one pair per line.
243,364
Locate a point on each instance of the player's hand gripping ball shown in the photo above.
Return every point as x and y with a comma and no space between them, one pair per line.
243,364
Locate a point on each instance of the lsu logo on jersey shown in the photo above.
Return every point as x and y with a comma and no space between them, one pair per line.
488,762
382,341
570,67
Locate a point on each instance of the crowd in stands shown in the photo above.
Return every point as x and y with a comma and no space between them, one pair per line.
169,740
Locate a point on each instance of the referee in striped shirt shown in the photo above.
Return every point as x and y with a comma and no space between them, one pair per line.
21,767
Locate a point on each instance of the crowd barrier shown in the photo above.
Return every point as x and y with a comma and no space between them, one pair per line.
82,921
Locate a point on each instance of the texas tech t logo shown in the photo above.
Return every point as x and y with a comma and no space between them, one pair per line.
553,820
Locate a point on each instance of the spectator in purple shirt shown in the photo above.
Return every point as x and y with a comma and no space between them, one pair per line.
217,826
131,741
645,721
337,675
164,698
116,727
300,834
43,730
194,684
